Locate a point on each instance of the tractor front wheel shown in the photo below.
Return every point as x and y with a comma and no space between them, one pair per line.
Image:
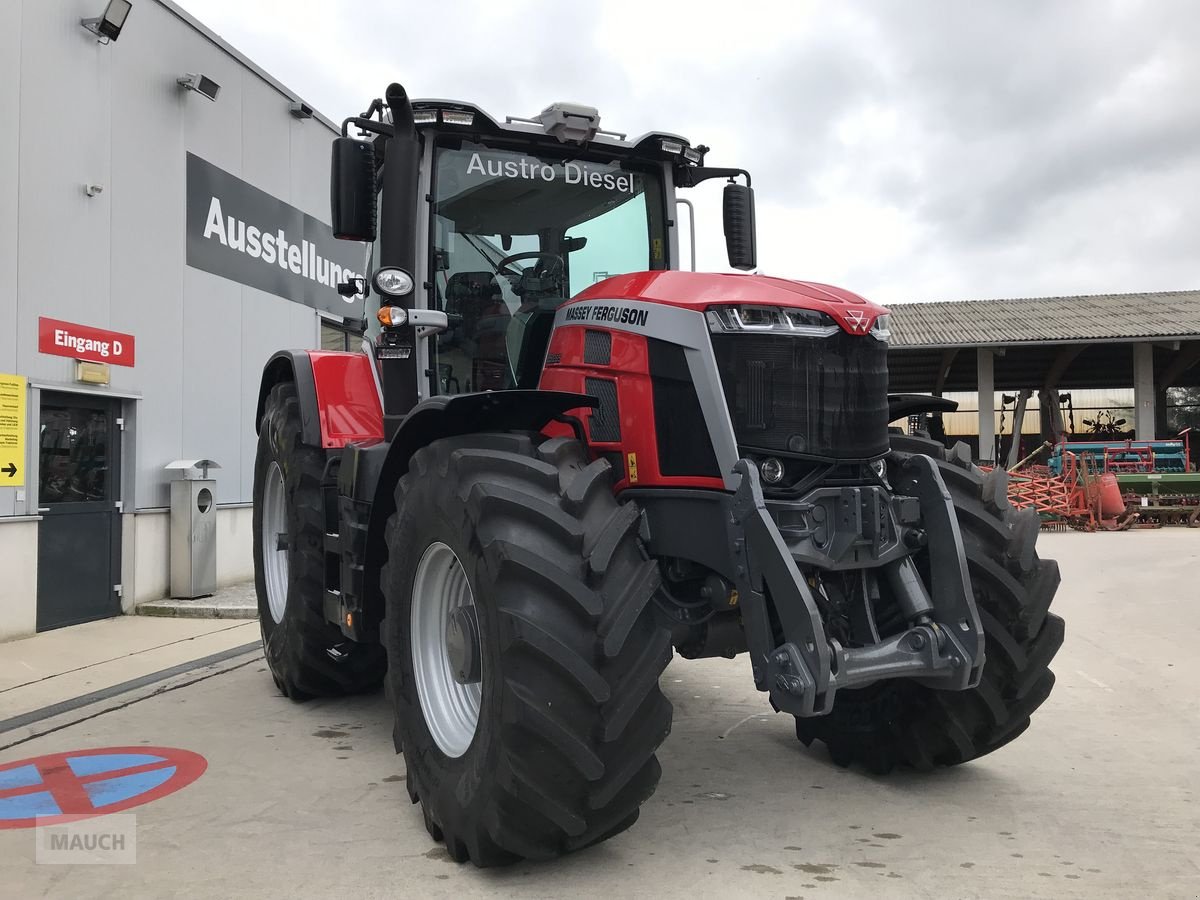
307,656
523,653
903,723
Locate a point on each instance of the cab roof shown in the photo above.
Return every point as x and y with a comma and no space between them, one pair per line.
541,129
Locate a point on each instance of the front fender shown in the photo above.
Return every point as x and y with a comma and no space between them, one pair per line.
338,394
447,416
369,472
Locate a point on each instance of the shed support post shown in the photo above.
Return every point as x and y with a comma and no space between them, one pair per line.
1014,450
985,379
1143,391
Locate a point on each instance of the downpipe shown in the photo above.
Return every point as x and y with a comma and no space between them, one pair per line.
942,648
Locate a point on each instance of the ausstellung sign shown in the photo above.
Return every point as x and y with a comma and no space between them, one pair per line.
239,232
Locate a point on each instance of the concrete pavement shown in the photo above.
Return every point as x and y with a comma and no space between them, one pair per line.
58,666
1097,799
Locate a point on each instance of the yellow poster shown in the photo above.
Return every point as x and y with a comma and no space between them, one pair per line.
12,431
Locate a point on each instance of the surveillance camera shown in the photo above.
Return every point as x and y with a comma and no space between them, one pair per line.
300,110
201,84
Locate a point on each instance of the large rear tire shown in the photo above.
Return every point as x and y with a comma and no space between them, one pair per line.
552,748
307,656
903,723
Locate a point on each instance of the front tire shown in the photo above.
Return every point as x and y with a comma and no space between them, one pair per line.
903,723
307,656
553,748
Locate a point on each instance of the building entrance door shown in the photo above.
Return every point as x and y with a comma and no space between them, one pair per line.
79,539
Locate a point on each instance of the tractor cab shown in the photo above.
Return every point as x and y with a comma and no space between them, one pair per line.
514,233
497,224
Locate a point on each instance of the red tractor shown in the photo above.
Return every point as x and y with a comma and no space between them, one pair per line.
557,457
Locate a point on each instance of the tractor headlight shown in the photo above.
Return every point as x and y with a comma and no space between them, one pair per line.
881,330
779,319
771,470
393,282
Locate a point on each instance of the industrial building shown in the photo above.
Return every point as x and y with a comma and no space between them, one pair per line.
163,210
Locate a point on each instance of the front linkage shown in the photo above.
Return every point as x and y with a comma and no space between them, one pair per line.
838,528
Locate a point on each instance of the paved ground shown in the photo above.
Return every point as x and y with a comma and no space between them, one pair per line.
1098,799
59,665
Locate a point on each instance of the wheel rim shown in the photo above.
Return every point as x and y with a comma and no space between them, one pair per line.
274,540
451,709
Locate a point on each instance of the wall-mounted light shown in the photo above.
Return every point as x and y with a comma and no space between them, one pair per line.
107,27
300,110
201,84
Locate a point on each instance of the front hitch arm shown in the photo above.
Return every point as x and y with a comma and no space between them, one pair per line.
943,646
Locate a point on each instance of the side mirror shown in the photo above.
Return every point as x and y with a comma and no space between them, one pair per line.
352,190
739,226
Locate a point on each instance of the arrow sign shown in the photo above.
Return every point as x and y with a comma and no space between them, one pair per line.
10,470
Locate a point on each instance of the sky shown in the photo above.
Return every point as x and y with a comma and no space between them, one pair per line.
903,149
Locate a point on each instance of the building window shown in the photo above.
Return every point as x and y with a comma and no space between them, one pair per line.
335,337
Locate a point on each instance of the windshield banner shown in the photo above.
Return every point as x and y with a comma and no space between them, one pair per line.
531,169
239,232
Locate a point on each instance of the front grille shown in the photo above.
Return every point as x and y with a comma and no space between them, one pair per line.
817,397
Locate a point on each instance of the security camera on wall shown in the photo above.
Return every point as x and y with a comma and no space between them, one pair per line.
201,84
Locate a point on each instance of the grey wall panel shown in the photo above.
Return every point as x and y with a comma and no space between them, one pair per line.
146,195
265,131
213,130
201,340
269,323
212,375
311,145
10,113
61,60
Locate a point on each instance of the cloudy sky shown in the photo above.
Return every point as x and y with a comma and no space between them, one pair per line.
905,149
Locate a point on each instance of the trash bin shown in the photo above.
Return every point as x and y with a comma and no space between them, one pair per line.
193,529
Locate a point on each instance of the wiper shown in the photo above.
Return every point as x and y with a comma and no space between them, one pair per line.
483,247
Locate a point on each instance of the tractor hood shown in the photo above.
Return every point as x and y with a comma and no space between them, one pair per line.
704,290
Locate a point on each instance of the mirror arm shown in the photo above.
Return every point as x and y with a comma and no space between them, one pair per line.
690,176
367,125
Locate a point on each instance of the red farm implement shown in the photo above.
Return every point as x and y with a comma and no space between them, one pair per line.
1080,497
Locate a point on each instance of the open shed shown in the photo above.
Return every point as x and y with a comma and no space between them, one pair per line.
1043,345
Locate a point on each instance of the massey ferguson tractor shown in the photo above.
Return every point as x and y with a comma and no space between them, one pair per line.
558,457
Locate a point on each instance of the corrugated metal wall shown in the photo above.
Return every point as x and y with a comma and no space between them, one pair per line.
1086,402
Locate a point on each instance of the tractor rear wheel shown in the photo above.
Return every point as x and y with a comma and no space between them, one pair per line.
902,723
307,656
523,650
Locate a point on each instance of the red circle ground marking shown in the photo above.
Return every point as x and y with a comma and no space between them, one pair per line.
69,791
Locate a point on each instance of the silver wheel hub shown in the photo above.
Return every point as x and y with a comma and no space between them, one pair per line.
274,542
446,652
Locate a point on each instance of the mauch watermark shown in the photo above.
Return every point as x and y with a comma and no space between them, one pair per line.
107,840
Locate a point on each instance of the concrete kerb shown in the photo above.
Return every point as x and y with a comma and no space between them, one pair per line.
237,601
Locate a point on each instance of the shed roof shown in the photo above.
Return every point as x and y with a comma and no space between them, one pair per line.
1103,317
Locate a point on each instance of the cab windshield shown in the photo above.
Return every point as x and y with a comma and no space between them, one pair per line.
514,235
